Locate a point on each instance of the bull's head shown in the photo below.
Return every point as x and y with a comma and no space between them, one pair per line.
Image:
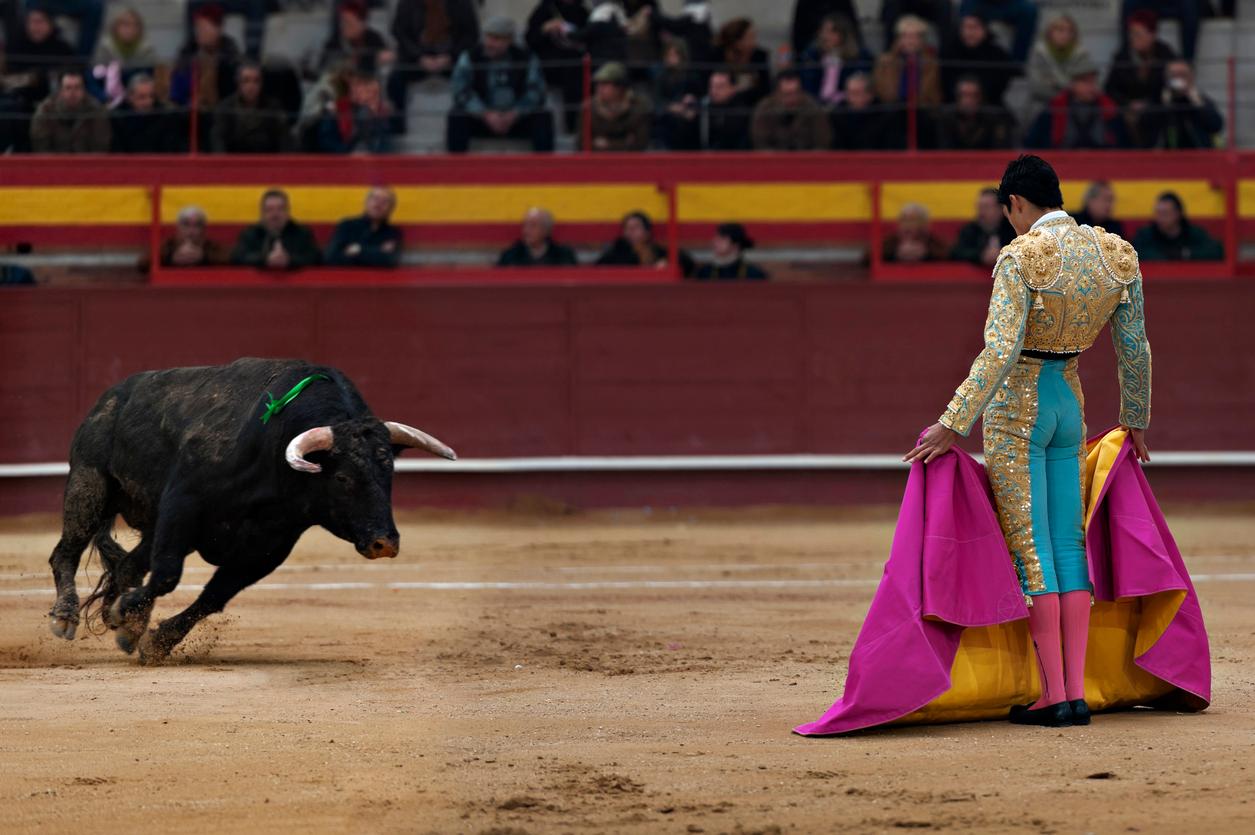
354,487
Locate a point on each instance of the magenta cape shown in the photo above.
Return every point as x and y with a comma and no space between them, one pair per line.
946,637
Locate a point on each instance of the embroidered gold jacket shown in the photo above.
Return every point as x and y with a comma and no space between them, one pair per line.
1054,289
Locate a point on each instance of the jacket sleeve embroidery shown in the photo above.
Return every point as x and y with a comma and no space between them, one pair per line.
1128,333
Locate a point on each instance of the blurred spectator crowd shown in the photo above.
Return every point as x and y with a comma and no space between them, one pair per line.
654,80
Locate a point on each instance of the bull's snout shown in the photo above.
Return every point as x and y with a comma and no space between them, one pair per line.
383,547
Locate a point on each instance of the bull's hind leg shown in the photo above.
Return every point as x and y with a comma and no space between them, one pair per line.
86,503
171,544
225,584
122,570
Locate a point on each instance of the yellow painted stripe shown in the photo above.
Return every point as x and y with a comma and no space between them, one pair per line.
426,204
811,202
956,199
1246,198
55,205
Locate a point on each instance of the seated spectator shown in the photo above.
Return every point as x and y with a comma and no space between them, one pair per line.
620,116
210,60
359,122
677,94
248,121
971,125
910,64
552,35
1079,117
1136,80
15,274
938,13
277,242
370,239
1187,12
353,41
913,240
1185,117
790,120
725,115
974,53
605,35
253,11
430,35
498,91
1055,59
123,53
636,247
808,19
835,55
728,257
88,14
142,124
35,51
70,121
190,247
692,27
860,123
1171,236
643,42
981,240
536,246
736,48
1021,15
1098,206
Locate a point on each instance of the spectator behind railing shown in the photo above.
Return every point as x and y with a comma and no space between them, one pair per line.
353,41
620,116
833,56
971,125
1136,80
552,34
860,123
913,240
143,124
34,51
636,247
808,20
70,121
370,239
737,49
725,116
1185,117
1186,11
910,63
1021,15
254,12
498,91
1097,207
122,54
190,246
728,257
1081,117
207,60
1171,236
536,246
789,119
973,52
249,121
937,13
430,35
1055,58
359,122
982,239
605,35
677,100
88,14
692,27
276,242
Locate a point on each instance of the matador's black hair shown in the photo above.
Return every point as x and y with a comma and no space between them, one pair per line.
1032,178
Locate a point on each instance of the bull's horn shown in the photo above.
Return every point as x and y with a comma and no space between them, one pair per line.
311,440
403,435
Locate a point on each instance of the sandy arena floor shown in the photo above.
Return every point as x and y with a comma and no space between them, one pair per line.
578,673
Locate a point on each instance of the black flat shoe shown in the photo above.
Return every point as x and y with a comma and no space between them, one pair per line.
1080,712
1016,710
1057,715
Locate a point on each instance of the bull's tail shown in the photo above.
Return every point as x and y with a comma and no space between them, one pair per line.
106,591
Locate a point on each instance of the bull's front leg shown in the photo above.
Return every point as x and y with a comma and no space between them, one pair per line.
172,542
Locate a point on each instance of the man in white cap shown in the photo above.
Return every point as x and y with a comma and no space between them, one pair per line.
498,90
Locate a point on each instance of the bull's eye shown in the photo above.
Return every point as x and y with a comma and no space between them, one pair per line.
343,478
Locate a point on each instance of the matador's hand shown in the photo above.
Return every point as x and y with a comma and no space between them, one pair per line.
1138,436
937,440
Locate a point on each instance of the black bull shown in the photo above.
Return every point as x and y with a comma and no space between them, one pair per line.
184,457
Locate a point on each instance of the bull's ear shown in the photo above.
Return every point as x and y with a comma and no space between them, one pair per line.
311,440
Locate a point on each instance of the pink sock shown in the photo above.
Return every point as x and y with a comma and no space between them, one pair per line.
1043,625
1075,619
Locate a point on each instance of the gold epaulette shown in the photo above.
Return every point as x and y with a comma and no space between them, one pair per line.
1038,256
1118,255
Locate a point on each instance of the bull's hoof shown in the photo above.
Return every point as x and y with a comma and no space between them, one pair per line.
63,627
130,627
152,649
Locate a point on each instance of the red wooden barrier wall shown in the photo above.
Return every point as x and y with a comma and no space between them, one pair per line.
522,371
